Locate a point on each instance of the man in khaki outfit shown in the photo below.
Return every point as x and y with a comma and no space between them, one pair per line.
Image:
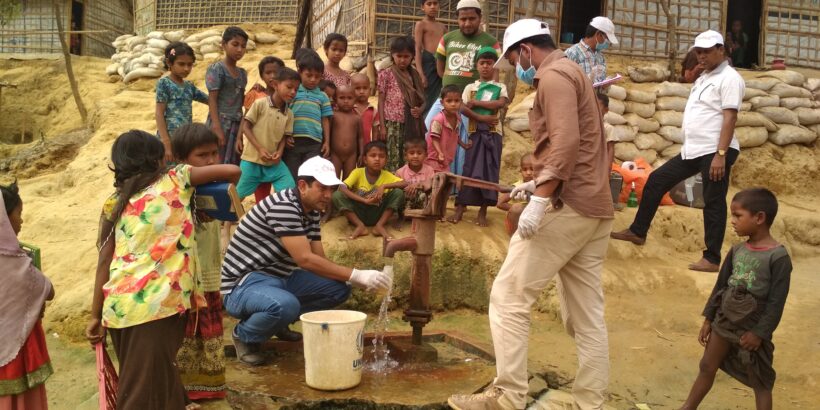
564,229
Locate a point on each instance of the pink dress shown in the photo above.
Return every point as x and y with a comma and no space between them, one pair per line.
447,135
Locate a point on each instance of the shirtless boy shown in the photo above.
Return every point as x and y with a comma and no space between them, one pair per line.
427,33
346,132
361,89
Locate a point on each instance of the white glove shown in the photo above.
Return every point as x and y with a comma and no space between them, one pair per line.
370,279
531,216
520,192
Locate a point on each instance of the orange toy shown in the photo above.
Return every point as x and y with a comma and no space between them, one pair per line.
639,175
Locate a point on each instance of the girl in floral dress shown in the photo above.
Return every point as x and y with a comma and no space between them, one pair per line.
24,361
145,281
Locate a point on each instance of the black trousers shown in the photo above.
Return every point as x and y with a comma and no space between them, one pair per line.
673,172
303,149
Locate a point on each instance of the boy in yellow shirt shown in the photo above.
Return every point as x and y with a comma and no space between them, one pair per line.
370,194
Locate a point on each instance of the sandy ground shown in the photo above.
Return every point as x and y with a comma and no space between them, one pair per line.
653,302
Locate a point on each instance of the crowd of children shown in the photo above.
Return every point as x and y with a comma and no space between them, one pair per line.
156,291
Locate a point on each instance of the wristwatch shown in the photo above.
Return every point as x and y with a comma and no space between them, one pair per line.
722,152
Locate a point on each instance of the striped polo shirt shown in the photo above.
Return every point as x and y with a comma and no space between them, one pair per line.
256,246
309,107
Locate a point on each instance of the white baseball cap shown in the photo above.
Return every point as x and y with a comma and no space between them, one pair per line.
604,24
321,169
707,39
468,4
520,30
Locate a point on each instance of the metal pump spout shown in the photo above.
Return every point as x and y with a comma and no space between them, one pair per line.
407,244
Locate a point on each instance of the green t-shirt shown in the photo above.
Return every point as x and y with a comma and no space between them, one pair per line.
458,53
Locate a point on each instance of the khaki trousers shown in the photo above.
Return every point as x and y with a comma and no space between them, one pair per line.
573,247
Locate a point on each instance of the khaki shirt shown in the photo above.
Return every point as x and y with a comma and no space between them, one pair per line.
270,125
570,146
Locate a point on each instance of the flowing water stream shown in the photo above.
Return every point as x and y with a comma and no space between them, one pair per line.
382,363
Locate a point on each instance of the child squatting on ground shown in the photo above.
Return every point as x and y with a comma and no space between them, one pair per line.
445,128
514,206
371,194
267,125
201,359
346,130
746,303
311,113
24,361
146,274
481,102
175,94
226,92
401,101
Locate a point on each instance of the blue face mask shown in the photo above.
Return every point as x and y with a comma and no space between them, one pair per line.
602,46
526,76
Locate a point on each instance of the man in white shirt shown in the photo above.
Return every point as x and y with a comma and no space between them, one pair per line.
709,148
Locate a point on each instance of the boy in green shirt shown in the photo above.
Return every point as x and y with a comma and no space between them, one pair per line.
370,194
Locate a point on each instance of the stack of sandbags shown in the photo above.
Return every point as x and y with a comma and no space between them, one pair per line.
143,56
621,130
639,115
788,101
518,115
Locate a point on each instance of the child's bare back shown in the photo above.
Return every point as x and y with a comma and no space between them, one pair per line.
345,131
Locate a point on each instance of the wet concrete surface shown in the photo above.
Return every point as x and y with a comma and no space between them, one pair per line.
280,383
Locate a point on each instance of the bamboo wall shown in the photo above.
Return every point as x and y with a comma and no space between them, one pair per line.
150,15
35,30
112,16
792,32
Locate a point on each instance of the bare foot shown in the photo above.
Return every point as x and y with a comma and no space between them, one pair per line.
398,223
380,230
359,231
482,217
192,406
456,217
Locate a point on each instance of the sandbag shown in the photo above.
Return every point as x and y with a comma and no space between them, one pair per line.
651,141
614,118
745,106
668,89
765,101
751,136
780,115
617,92
139,48
754,119
266,38
519,124
643,124
174,35
196,37
651,73
211,56
112,69
808,116
815,128
812,84
790,134
673,118
642,109
210,48
134,41
123,37
649,155
624,133
251,45
616,106
639,176
155,34
784,90
523,108
671,151
793,103
640,96
211,40
155,51
787,76
141,73
764,84
671,103
750,93
671,133
625,151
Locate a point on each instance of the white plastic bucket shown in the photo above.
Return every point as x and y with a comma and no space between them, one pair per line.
333,343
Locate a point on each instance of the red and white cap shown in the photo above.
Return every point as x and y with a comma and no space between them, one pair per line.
321,169
520,30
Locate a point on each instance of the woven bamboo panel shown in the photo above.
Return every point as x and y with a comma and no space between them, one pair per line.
641,25
548,11
347,17
793,32
108,15
397,17
185,14
34,30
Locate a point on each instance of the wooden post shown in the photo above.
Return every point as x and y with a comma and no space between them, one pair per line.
301,25
68,68
672,40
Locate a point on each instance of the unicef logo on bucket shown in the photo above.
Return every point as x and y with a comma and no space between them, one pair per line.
358,362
